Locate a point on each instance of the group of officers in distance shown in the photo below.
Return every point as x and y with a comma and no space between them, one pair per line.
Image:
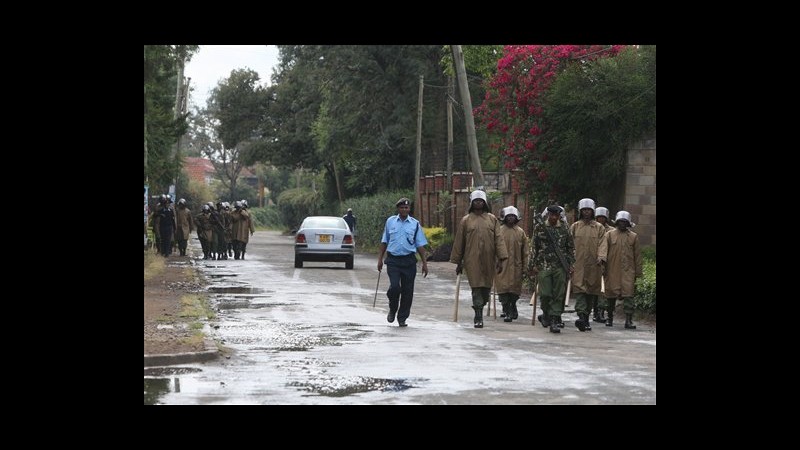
589,253
222,232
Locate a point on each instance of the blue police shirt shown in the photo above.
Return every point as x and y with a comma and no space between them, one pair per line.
403,236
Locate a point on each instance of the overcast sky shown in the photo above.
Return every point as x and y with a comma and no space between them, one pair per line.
212,63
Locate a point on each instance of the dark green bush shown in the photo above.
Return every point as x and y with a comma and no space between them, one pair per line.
371,214
268,217
645,298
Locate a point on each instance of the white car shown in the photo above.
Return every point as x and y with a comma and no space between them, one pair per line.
324,238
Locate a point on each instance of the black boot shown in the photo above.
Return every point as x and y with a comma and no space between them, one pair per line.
242,254
629,322
611,303
478,316
544,320
610,319
582,323
596,308
506,312
554,324
514,312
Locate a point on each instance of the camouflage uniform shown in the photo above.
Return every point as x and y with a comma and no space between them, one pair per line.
552,276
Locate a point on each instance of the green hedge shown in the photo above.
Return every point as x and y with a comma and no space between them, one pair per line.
645,298
371,214
268,217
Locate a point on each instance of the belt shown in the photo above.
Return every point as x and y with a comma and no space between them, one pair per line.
398,256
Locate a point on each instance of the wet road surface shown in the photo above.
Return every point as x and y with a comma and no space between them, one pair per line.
311,336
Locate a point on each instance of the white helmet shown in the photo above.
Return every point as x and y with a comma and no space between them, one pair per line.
509,210
477,194
586,203
601,211
625,215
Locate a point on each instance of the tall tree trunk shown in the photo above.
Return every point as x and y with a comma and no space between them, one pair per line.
463,88
338,183
449,185
417,193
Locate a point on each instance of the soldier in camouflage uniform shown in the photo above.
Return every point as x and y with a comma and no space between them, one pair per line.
546,265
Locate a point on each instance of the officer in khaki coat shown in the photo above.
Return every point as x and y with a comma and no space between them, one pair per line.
508,283
622,255
185,222
587,234
479,249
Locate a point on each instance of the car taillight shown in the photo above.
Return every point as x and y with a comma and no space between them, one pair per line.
300,239
347,239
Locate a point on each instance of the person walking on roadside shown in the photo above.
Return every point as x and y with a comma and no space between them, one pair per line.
243,228
508,283
401,240
552,262
479,248
166,226
204,230
601,216
586,234
351,220
185,225
621,253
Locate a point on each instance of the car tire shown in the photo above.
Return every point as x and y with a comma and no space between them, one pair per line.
298,262
349,263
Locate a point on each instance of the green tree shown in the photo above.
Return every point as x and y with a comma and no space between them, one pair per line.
235,111
595,110
161,128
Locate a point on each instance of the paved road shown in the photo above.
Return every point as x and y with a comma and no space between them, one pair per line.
311,336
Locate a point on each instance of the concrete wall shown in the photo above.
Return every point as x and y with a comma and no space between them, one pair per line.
640,189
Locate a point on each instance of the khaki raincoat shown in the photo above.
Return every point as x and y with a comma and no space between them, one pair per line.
620,250
242,225
587,238
510,279
478,245
185,222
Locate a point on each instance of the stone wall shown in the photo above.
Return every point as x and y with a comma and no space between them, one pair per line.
640,189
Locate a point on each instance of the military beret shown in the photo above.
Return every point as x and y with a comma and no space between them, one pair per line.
403,201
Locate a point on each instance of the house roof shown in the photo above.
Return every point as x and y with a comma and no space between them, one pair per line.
198,168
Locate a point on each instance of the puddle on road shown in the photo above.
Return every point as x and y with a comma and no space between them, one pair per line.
235,290
223,275
343,387
155,388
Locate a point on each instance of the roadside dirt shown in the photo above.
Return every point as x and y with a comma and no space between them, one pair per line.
171,286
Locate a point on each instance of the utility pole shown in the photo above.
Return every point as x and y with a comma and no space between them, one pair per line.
180,106
450,94
417,193
146,177
472,142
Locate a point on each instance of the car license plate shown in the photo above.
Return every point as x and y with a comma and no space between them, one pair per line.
324,238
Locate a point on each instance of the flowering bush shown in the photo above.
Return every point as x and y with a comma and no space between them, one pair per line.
512,110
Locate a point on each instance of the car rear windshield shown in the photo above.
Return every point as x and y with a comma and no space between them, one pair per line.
325,222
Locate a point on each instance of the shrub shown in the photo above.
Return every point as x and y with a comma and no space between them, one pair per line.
268,217
645,298
371,214
440,243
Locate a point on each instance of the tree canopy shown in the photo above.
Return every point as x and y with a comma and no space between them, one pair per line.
162,129
566,114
